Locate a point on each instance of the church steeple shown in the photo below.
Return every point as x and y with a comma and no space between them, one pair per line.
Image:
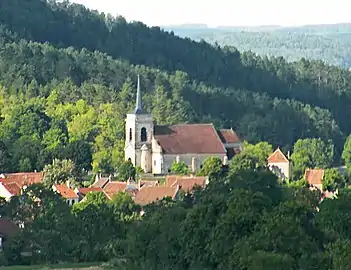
138,105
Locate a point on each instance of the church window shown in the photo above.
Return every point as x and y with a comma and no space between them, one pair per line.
143,135
130,134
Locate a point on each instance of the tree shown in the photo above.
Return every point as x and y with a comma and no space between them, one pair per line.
244,161
261,151
332,179
311,153
59,172
126,171
346,154
211,167
179,168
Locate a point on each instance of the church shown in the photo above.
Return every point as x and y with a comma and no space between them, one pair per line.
155,148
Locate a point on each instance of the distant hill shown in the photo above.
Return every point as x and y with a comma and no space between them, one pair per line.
330,43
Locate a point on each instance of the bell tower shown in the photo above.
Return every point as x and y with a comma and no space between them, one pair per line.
139,132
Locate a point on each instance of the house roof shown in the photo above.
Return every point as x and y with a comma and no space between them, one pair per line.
186,183
85,191
314,176
13,188
189,139
149,183
22,178
277,157
228,136
66,192
113,187
101,182
149,195
7,227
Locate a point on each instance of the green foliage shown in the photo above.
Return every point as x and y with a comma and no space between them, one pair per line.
297,184
333,180
179,168
211,166
346,154
311,153
126,171
60,171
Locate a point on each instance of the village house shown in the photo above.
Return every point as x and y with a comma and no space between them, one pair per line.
155,148
12,184
186,183
314,178
280,164
68,193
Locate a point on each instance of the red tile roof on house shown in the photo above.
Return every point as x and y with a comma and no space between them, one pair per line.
7,227
149,195
101,182
113,187
186,183
13,188
228,136
66,192
314,176
85,191
277,157
189,139
22,179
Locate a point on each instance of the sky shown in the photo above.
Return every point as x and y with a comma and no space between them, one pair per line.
227,12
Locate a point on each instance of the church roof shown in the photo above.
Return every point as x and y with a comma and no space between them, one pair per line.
277,157
189,139
228,136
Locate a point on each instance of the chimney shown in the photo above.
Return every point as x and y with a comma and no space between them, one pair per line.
289,155
68,184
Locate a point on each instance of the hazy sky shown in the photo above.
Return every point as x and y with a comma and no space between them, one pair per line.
227,12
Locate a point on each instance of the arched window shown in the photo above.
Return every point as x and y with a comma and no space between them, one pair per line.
130,134
143,135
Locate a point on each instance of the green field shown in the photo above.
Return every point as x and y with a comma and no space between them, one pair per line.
90,266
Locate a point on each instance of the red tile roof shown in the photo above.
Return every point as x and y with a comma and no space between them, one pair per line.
149,195
228,136
7,227
113,187
22,178
13,188
85,191
66,192
186,183
277,157
189,139
149,183
101,182
314,176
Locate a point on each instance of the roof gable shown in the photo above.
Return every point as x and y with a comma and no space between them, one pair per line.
277,157
228,136
314,176
13,188
189,139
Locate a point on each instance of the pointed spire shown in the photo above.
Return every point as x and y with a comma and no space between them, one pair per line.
138,105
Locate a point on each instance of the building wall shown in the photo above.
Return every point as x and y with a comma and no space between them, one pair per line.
133,144
187,159
72,201
4,193
282,170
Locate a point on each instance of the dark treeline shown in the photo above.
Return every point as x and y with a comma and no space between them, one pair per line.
63,25
243,220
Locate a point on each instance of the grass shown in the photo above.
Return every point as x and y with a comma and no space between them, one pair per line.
90,266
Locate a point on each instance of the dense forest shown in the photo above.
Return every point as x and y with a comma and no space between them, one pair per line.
79,56
67,79
330,43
